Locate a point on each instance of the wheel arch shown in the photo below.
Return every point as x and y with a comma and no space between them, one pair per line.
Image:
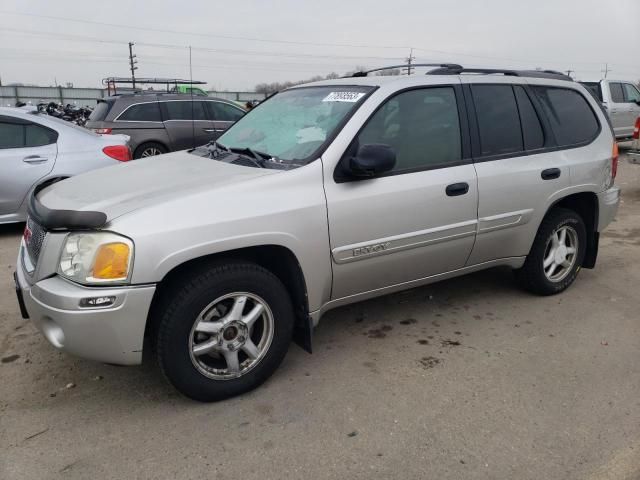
279,260
586,205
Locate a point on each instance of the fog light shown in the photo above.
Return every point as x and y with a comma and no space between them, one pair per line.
97,302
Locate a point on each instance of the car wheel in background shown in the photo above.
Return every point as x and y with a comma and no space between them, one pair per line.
149,149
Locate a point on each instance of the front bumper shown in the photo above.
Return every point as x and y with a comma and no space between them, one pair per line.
111,334
608,202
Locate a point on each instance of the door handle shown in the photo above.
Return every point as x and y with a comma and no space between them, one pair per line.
34,159
209,130
456,189
550,173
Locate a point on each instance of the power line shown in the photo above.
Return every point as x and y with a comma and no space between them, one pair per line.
198,34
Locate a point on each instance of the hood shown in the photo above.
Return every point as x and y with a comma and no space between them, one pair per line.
133,185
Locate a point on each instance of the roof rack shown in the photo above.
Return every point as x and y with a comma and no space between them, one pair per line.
112,82
553,74
440,65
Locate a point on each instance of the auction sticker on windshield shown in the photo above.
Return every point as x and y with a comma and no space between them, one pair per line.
343,97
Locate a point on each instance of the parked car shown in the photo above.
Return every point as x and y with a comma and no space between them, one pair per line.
621,100
36,149
362,187
161,123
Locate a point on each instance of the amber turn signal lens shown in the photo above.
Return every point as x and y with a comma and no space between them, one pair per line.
112,262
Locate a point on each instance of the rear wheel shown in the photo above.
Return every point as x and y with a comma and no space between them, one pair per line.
556,255
224,331
149,149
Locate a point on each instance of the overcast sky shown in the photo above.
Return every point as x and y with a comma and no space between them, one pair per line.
237,44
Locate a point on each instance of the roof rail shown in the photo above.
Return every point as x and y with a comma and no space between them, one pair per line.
391,67
552,74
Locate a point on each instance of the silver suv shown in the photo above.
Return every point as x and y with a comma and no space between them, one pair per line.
324,195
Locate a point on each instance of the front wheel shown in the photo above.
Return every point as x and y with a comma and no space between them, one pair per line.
224,331
556,255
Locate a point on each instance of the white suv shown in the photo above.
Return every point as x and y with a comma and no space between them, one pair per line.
323,195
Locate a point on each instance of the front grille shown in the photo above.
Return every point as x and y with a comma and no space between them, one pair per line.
34,240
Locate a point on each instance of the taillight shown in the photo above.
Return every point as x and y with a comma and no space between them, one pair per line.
636,130
614,161
122,153
103,131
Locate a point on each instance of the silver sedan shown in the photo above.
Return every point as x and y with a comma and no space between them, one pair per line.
37,149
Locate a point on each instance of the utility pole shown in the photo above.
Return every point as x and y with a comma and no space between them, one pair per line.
569,72
606,70
132,64
409,60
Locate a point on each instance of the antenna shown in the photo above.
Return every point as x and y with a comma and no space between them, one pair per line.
606,70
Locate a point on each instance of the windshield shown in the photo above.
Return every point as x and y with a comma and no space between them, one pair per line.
294,124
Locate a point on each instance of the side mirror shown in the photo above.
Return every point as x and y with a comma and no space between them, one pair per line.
371,160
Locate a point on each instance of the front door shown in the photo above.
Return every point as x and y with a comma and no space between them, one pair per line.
27,153
417,220
224,115
187,123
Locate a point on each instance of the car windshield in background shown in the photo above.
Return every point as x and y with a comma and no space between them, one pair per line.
292,125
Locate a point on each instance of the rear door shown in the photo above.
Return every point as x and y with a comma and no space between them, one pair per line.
619,110
27,153
224,115
188,123
517,171
419,219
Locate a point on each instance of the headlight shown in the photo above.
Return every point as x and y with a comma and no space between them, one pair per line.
96,258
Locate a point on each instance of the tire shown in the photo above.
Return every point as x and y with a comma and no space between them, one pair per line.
212,294
534,275
149,149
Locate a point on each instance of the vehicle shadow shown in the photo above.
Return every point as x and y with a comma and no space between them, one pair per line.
11,229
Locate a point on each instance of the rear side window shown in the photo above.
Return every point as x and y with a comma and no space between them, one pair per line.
532,132
617,94
11,135
572,119
185,110
631,93
498,120
142,112
226,112
101,111
25,134
37,135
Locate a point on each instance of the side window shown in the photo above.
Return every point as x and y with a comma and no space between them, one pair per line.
532,132
422,126
631,93
37,135
617,94
185,110
143,112
225,112
11,135
571,118
498,120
